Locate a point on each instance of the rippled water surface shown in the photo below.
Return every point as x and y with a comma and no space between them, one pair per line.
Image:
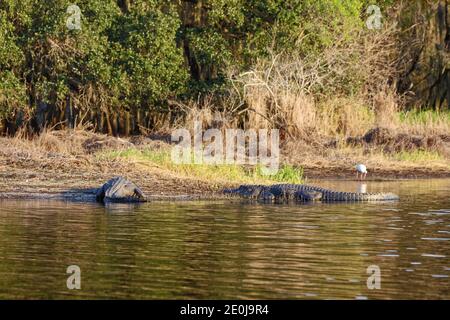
231,249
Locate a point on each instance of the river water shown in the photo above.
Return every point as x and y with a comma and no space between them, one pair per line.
232,249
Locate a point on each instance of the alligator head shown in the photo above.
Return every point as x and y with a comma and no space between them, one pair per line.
120,190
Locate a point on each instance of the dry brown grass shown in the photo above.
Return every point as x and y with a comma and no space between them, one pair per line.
63,150
343,91
67,159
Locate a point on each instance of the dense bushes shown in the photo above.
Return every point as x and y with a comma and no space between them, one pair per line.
133,56
117,65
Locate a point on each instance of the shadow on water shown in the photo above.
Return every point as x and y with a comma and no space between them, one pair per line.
231,249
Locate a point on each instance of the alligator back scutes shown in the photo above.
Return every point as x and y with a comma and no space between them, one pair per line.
300,192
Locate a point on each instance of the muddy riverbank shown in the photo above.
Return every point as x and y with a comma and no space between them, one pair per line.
28,183
71,165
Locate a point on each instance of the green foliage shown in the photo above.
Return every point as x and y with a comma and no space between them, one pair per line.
10,54
145,51
129,60
289,174
134,58
239,31
12,91
12,95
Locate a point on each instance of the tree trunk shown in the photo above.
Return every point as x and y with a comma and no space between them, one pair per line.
124,5
429,77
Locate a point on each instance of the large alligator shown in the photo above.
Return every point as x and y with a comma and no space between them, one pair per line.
303,193
120,190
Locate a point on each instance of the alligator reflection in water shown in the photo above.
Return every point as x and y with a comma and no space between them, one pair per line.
362,188
231,249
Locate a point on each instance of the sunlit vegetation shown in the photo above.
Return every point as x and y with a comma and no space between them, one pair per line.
418,156
220,173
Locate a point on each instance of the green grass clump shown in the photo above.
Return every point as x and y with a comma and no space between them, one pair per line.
227,173
423,116
289,174
418,156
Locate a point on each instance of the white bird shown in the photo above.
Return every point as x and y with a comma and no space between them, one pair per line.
361,169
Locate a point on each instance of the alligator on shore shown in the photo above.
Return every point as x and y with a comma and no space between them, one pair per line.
120,190
303,193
